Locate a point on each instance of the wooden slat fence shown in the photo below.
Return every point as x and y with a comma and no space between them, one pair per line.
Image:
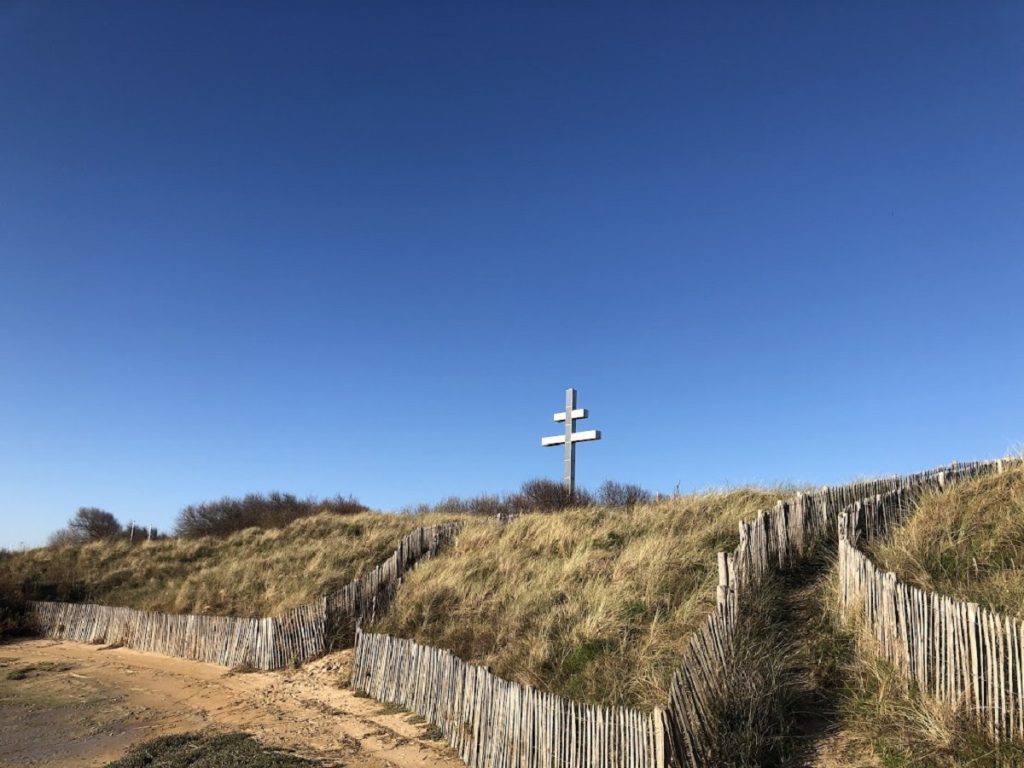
295,636
775,540
369,596
958,653
955,651
495,723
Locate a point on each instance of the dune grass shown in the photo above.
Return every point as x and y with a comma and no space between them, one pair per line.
884,721
251,573
595,603
592,603
966,542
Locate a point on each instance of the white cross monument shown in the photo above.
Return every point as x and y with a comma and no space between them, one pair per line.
570,438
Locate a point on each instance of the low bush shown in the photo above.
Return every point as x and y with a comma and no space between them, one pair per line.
14,619
274,510
625,495
93,524
88,524
542,495
538,495
196,750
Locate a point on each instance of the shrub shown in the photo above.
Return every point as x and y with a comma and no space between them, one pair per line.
63,537
539,495
488,505
275,510
13,616
542,495
14,620
199,750
625,495
88,524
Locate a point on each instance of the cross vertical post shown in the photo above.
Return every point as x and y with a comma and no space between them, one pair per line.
569,462
569,439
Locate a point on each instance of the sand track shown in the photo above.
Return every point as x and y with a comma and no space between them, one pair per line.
69,704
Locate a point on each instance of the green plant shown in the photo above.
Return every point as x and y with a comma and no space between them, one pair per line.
195,750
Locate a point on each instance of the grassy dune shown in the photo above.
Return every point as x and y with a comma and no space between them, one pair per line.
252,573
593,603
967,542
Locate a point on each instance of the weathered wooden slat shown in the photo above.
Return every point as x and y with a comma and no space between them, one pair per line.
510,724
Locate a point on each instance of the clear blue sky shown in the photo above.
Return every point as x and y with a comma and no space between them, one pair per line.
364,247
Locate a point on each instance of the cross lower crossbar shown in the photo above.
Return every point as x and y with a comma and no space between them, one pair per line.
577,437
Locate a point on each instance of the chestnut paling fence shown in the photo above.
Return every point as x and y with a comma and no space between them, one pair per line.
955,652
490,721
295,636
496,723
776,539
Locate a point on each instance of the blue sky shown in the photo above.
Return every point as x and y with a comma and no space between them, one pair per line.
364,247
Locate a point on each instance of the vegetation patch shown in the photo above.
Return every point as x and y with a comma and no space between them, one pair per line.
195,750
35,670
256,510
14,615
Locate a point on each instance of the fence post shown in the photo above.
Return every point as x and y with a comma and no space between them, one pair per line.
659,737
723,578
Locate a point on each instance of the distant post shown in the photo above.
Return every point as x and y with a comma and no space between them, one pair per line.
570,438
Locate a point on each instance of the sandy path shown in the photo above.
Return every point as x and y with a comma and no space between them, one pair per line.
83,706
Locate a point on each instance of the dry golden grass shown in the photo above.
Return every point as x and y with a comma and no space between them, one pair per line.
251,573
967,542
884,721
592,603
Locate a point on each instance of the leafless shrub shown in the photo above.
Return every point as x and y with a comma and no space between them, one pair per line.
543,495
625,495
274,510
14,619
538,495
88,524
